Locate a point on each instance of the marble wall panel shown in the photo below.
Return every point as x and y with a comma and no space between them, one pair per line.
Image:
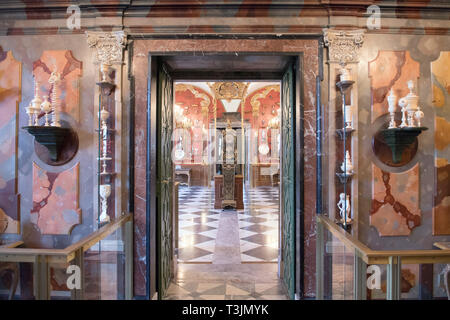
390,70
10,96
440,78
395,201
70,69
55,200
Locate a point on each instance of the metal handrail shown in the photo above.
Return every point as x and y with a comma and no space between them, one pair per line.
61,255
370,256
41,258
363,256
12,244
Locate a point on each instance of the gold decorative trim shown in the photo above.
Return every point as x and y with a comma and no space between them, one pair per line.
229,90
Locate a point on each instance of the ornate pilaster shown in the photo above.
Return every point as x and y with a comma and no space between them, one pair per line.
108,46
108,55
343,59
343,45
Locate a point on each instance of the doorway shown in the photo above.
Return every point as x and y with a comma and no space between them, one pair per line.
214,120
165,71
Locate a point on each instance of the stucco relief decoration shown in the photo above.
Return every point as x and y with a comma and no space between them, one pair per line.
395,201
203,98
10,96
269,95
108,46
55,200
343,45
440,77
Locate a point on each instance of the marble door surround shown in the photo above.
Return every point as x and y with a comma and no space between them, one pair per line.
141,52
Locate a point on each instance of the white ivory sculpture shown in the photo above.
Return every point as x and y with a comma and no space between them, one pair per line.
412,104
345,75
344,208
46,107
36,103
347,166
392,101
105,192
402,103
55,79
104,68
418,115
30,113
348,116
104,115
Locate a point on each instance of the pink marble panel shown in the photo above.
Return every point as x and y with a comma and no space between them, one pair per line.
70,69
440,78
390,70
395,201
10,96
56,200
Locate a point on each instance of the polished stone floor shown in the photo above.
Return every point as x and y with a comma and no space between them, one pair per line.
227,254
208,235
252,281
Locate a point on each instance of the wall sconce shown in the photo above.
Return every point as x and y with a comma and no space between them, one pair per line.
53,137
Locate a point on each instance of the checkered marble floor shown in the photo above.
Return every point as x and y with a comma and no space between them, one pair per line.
199,223
258,225
225,290
226,282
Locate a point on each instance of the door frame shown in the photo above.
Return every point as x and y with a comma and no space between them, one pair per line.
150,268
157,61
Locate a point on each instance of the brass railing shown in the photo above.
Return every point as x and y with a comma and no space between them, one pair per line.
365,256
41,258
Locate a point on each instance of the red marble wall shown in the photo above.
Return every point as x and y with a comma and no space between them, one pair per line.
191,98
395,201
390,70
198,106
141,49
55,200
10,96
210,17
395,196
69,68
440,77
267,103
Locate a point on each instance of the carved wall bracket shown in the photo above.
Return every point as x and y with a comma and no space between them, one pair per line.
343,45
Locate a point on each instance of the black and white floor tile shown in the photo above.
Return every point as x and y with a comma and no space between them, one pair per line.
223,254
258,225
227,282
199,223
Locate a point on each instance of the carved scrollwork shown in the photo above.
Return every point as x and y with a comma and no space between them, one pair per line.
343,45
255,103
